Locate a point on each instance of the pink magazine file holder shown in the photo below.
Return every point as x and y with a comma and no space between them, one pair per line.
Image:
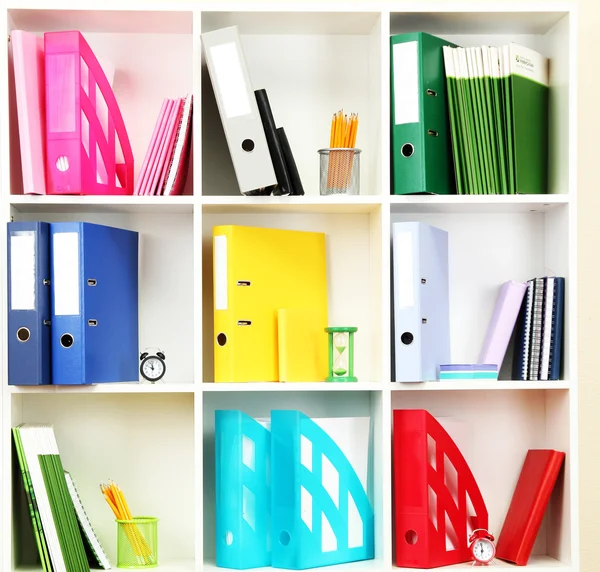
75,166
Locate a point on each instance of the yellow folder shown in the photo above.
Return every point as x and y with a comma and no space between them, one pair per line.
257,271
302,345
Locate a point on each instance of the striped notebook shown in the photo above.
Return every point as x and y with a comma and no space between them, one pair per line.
539,339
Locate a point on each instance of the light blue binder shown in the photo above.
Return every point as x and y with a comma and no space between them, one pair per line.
302,508
243,502
94,279
421,301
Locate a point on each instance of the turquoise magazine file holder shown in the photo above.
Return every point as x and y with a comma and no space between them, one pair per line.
311,526
242,454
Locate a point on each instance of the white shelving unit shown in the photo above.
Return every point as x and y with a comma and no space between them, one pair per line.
158,441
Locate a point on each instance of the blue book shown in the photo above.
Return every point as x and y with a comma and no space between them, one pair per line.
94,303
28,303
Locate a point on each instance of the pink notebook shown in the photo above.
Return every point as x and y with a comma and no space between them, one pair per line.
502,323
167,149
144,169
181,153
156,147
30,89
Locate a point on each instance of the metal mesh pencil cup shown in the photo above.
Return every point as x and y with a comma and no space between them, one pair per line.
339,171
137,543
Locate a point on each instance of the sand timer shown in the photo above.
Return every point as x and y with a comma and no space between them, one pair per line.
341,354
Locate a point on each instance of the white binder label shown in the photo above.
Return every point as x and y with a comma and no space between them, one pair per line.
230,79
405,293
66,273
22,271
220,272
406,82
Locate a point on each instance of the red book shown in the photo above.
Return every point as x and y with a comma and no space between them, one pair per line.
528,504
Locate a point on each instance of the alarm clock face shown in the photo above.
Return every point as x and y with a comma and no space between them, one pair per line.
152,368
483,550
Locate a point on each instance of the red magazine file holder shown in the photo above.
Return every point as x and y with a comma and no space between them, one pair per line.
437,501
81,159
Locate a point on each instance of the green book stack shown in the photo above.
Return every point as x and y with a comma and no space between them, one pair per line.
498,112
56,526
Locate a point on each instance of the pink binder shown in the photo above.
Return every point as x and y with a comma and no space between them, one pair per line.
502,323
75,166
28,61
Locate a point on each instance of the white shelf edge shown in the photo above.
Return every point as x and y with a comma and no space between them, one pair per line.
479,385
283,387
106,388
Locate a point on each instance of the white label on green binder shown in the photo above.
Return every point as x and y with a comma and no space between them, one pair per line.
22,271
405,273
229,74
220,272
66,273
406,82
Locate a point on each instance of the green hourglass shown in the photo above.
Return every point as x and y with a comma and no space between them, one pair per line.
341,354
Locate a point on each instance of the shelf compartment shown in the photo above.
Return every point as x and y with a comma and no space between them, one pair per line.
166,292
354,266
102,437
124,38
536,562
508,246
550,32
494,433
325,61
315,405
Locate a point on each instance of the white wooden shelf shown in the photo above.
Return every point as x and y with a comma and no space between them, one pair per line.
102,204
477,203
157,441
480,385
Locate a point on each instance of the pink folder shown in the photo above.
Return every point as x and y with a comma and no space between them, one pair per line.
144,170
75,166
180,162
30,89
156,145
167,149
502,323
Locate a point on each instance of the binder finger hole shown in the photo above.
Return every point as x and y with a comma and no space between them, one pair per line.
66,340
407,149
411,537
23,334
407,338
248,145
284,538
62,163
221,339
229,538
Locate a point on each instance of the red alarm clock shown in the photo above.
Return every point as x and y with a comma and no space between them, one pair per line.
482,546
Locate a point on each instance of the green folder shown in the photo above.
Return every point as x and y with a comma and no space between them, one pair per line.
420,129
528,96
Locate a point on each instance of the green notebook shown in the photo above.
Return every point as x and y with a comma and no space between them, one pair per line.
528,96
59,524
